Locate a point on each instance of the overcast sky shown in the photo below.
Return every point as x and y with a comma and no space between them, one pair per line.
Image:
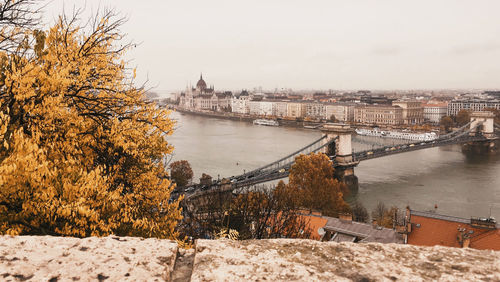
311,44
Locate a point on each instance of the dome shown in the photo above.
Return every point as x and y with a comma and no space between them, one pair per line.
201,85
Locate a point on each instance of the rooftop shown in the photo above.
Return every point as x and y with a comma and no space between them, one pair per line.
366,232
430,229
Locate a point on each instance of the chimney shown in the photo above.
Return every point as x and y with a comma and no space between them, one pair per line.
345,217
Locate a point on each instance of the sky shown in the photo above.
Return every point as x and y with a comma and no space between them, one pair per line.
313,44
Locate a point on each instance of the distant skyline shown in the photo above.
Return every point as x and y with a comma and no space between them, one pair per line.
447,44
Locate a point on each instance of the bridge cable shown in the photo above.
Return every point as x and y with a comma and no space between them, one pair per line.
282,159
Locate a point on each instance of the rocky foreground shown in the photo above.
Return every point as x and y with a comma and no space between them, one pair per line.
30,258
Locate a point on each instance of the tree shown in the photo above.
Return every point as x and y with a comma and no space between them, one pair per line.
269,213
81,150
333,118
181,173
359,212
446,122
18,19
463,117
312,180
384,217
205,179
378,212
258,213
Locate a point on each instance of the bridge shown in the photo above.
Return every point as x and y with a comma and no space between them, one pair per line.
336,144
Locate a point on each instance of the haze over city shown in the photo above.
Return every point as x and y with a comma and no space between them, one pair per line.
310,44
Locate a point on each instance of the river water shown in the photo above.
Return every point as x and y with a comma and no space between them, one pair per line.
459,185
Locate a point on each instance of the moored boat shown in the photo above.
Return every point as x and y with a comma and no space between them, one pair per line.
427,136
268,122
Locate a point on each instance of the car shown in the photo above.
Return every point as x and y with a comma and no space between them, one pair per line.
281,170
370,153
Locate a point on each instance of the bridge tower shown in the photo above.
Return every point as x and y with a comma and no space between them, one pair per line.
487,129
488,120
341,152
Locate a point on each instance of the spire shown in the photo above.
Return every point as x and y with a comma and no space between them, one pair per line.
201,76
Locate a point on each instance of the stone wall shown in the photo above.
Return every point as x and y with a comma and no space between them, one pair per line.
134,259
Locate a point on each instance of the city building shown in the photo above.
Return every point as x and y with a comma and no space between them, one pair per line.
296,109
280,109
204,98
435,112
378,115
430,229
239,104
342,112
473,105
413,113
315,110
366,98
261,108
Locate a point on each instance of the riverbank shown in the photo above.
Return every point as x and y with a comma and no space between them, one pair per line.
247,118
312,125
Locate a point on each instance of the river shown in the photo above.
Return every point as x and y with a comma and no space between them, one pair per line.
459,185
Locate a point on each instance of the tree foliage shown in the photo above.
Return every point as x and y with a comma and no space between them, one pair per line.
312,180
18,18
463,117
81,150
446,122
181,173
383,216
359,212
270,213
259,213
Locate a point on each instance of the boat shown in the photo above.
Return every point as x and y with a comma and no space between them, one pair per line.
427,136
268,122
312,126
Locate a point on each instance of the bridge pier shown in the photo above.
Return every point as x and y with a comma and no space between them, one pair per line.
491,144
341,153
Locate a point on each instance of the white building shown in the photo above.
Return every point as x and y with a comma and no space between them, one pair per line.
280,108
240,104
261,108
315,110
342,112
435,112
473,105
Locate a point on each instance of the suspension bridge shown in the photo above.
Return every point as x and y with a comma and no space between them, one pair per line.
336,144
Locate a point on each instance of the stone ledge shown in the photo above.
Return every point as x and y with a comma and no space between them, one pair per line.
135,259
42,258
306,260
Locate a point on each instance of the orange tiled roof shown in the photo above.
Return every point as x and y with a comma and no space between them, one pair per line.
442,230
314,222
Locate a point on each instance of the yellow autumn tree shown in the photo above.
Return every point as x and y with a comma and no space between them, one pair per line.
312,179
81,151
